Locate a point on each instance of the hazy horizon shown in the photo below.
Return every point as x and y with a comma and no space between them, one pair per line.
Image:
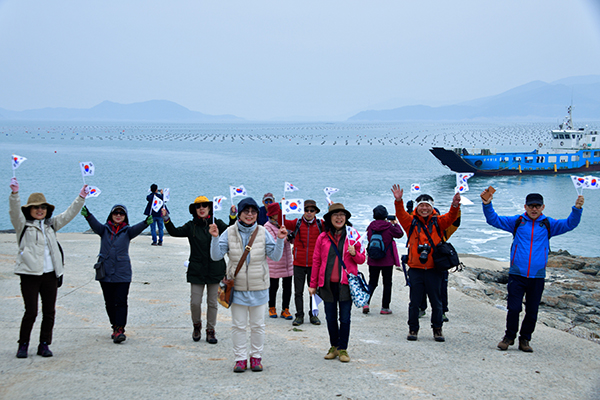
275,60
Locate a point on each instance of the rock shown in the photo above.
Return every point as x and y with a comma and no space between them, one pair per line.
565,262
589,271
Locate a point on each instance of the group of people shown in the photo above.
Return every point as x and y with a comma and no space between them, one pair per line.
307,251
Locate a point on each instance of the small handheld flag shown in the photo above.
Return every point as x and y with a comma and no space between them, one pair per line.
217,200
462,188
16,162
415,188
351,234
329,191
93,191
462,177
291,206
87,168
157,204
237,191
578,182
290,188
166,194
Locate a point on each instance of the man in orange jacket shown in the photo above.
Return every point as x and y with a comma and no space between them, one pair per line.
424,278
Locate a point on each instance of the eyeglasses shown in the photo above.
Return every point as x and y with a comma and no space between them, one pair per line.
338,214
250,211
119,212
42,207
310,210
534,206
202,205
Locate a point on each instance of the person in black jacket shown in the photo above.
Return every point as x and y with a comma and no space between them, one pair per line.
115,236
202,270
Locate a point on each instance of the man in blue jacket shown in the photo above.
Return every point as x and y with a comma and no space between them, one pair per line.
528,258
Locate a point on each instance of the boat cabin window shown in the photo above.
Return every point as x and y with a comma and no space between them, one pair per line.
587,154
564,159
593,138
539,159
528,159
555,136
551,159
597,154
561,136
574,158
517,159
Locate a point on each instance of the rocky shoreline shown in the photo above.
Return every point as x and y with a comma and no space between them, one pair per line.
571,299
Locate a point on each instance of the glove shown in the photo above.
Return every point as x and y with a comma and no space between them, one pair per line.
149,220
84,191
14,185
85,212
233,211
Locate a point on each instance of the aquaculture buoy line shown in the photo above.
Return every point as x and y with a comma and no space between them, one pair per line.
422,134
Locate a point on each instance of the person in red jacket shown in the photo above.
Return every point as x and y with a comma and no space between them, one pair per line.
305,232
424,277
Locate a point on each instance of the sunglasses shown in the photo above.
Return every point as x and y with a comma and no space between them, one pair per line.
42,207
119,212
250,211
310,210
202,205
534,206
268,201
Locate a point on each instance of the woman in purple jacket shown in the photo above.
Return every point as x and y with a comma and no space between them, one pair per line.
382,262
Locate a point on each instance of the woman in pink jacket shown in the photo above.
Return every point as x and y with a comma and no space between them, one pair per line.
329,276
282,269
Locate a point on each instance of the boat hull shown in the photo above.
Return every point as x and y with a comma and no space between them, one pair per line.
519,163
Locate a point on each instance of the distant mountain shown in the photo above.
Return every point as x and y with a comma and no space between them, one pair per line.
147,111
535,100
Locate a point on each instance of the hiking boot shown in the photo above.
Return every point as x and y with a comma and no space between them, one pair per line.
154,244
44,350
444,318
366,309
332,353
505,342
412,336
314,320
210,336
385,311
298,321
344,357
22,352
112,335
255,364
240,366
160,243
422,313
197,334
438,336
272,312
524,346
286,314
119,335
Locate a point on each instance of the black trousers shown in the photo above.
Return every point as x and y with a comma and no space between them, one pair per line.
286,284
429,282
115,299
386,274
301,276
32,287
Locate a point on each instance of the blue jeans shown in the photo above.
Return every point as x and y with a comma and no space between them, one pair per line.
157,221
338,334
532,289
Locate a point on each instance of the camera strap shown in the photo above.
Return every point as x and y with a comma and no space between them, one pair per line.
427,232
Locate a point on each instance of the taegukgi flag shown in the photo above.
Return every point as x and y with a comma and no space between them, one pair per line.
157,204
415,188
237,191
217,200
329,191
461,188
87,168
291,206
93,191
16,161
351,234
462,177
592,182
166,194
290,188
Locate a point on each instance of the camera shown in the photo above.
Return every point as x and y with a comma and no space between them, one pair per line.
291,236
423,250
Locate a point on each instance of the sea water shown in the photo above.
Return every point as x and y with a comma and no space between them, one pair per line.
363,161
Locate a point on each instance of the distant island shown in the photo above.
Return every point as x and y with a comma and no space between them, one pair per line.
533,101
147,111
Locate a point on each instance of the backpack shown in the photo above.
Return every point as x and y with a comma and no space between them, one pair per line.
376,248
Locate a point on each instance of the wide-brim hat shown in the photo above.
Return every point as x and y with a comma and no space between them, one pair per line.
198,200
311,203
37,199
336,207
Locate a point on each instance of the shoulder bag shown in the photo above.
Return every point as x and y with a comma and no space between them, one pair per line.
359,289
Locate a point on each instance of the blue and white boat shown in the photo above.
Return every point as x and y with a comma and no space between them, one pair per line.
571,151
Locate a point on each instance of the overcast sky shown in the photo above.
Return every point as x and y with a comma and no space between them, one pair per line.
263,59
